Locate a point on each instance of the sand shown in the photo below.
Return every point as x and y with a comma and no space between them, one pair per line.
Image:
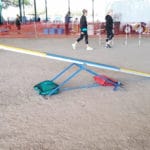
83,119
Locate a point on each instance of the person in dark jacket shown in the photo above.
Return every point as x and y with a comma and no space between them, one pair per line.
83,31
109,28
18,23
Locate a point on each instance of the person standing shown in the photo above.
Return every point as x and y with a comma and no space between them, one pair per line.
67,21
83,31
18,23
109,28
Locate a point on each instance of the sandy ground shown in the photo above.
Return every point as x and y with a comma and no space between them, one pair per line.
84,119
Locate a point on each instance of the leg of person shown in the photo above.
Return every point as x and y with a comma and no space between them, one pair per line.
18,29
77,41
66,29
109,38
87,42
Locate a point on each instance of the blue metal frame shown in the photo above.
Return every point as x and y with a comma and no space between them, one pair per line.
81,67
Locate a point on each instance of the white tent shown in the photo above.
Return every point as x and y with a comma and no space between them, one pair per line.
131,10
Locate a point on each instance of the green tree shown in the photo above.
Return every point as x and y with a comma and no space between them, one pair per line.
0,12
6,3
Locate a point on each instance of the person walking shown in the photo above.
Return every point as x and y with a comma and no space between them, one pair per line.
109,28
83,31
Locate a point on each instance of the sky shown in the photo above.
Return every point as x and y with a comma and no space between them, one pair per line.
135,12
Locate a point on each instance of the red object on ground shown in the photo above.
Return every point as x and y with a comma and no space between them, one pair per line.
104,80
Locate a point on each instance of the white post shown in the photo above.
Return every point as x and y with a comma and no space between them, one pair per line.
126,35
35,29
140,32
100,38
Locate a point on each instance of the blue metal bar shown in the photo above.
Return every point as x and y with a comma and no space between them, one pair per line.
80,61
69,78
81,87
62,72
117,84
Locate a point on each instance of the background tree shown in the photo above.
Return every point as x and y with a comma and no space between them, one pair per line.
15,3
4,4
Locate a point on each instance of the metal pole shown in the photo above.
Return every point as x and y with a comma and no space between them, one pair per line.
35,12
126,35
0,12
93,10
20,9
140,34
24,19
46,17
68,5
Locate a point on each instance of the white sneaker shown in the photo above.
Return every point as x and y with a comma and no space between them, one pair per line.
74,46
89,48
107,46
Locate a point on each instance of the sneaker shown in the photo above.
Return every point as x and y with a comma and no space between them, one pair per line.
89,48
107,46
74,46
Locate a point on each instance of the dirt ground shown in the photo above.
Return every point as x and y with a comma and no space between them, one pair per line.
84,119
